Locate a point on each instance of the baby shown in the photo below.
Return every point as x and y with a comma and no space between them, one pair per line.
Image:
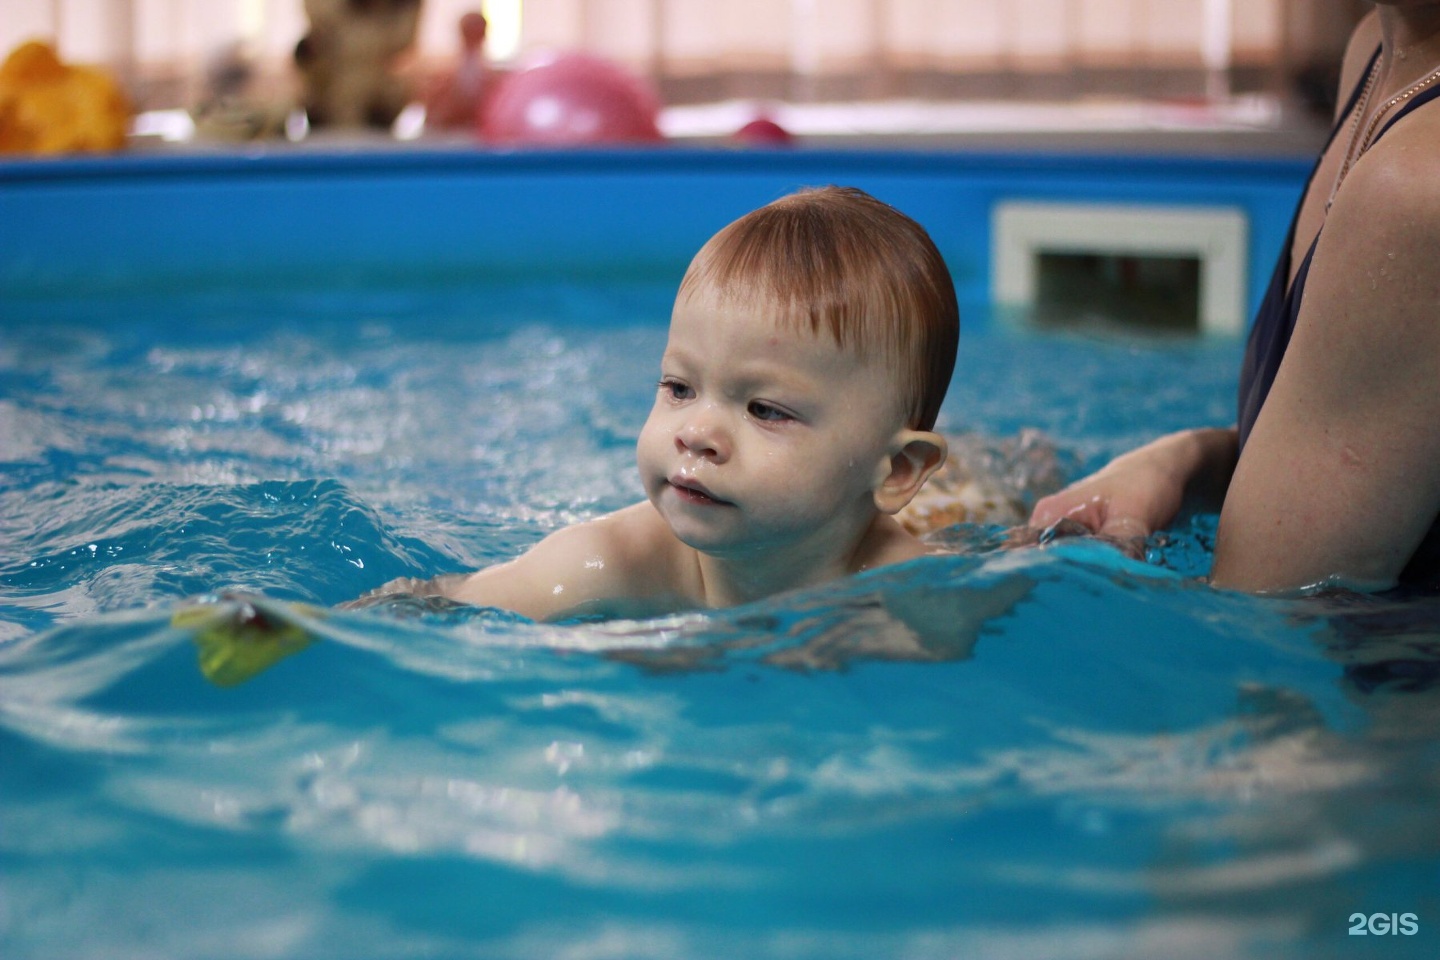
810,347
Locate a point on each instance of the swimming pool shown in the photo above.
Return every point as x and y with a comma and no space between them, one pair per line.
1093,756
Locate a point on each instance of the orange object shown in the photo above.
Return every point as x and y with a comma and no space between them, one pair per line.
48,107
454,98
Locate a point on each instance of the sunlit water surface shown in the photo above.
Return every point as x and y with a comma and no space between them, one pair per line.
1045,753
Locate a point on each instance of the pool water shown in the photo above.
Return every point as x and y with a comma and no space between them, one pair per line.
1060,752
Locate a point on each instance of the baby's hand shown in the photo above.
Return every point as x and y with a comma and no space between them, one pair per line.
400,587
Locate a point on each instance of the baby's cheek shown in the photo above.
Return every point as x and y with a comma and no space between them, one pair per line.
649,451
643,454
806,479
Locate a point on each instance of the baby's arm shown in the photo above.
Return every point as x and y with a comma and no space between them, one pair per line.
612,566
562,575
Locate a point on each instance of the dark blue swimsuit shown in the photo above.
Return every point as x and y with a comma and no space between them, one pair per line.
1275,322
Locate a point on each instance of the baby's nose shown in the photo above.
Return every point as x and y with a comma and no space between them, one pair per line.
702,435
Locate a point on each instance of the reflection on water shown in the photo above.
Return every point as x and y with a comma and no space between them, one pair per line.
1045,753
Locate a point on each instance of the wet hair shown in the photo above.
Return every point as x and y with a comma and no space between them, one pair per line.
838,260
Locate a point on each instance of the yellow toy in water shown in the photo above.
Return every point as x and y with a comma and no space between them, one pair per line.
243,636
47,107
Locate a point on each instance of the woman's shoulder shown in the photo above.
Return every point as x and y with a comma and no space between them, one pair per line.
1375,269
1397,181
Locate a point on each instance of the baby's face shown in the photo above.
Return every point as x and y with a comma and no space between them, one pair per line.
764,435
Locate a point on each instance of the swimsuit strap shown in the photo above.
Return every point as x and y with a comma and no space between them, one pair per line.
1283,261
1274,320
1354,100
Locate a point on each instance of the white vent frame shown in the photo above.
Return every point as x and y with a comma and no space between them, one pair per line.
1216,236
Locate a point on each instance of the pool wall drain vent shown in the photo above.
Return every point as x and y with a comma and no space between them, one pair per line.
1026,235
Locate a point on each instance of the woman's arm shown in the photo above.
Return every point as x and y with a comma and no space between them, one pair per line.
1341,475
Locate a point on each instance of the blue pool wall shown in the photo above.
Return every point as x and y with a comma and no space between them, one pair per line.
147,222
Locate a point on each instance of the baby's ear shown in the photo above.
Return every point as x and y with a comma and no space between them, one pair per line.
915,455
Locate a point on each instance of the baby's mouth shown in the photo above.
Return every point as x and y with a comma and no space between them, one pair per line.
696,493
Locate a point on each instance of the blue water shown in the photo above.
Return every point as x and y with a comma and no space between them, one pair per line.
1047,753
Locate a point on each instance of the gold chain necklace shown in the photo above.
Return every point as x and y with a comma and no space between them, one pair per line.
1352,154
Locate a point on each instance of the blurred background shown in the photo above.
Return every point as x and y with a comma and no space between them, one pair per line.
1273,61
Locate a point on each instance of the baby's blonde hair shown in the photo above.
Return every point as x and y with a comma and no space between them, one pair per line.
836,259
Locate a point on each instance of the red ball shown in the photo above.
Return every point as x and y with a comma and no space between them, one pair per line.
571,98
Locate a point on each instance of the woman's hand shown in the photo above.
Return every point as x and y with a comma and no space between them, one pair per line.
1142,491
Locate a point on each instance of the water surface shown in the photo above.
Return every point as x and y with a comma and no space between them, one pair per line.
1060,752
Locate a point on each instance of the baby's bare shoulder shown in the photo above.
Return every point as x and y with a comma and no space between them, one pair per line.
633,536
629,555
887,543
621,564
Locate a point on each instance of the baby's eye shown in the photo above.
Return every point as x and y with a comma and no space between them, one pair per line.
764,411
676,389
